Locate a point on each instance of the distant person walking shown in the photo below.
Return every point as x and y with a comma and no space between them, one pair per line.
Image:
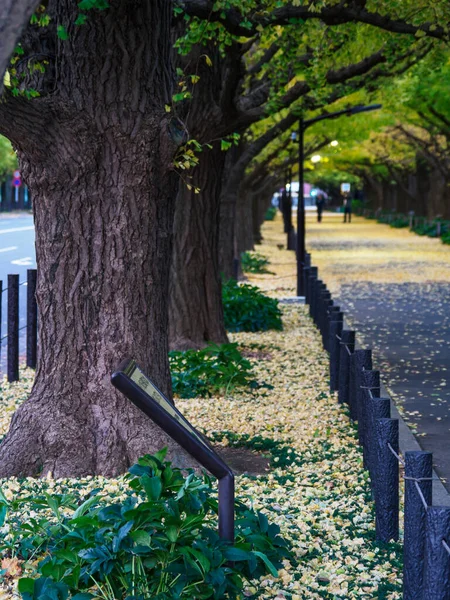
320,203
347,209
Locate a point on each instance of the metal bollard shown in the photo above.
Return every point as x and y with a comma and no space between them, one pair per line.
13,328
387,482
418,465
437,560
359,360
31,318
347,347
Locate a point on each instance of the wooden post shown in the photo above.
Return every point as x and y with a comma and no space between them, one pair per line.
437,559
347,347
387,482
418,465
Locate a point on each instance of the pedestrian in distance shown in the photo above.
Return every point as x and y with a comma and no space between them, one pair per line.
347,209
320,203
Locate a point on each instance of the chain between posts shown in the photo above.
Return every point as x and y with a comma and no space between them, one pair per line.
344,344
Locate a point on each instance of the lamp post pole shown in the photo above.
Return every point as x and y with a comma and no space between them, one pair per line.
302,126
301,210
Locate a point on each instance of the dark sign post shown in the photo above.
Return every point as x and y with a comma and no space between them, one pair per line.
138,388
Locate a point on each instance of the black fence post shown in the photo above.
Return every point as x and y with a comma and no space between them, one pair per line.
418,465
319,287
334,343
347,347
327,304
437,560
312,275
387,482
370,386
13,328
359,360
312,282
31,318
378,408
332,309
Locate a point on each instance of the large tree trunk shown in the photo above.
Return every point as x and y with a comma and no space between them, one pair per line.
196,313
104,201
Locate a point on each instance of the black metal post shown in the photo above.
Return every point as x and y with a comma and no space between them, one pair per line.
437,560
13,328
418,465
31,318
347,347
226,508
387,483
300,212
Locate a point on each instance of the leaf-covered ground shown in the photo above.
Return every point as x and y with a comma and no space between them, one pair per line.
317,490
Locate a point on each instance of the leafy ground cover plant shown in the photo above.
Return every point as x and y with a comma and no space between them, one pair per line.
246,308
210,370
400,222
160,542
252,262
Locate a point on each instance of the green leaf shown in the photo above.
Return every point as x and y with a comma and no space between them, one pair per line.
26,587
172,533
82,510
61,32
152,486
267,562
81,19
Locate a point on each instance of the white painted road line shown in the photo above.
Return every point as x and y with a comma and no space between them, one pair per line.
28,228
23,262
8,249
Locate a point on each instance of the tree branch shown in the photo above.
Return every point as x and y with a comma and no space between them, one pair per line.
353,11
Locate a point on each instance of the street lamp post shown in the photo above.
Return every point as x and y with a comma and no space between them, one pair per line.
303,124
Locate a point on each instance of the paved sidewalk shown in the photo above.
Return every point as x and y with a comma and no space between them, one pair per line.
395,288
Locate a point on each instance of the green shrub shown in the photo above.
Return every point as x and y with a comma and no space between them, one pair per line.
246,308
212,369
270,214
400,222
252,262
161,542
446,237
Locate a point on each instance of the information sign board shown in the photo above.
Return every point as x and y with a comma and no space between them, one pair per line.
130,379
345,188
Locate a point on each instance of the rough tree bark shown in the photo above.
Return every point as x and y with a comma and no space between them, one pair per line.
196,314
97,156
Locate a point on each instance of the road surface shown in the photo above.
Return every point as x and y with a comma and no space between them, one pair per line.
17,254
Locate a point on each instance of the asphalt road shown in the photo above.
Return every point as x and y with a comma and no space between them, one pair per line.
17,254
408,326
